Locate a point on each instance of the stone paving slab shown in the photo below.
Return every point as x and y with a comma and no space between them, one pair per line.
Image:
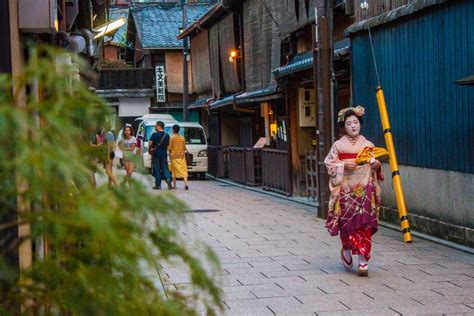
277,259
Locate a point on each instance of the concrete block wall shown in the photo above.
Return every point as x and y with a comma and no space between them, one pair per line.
440,203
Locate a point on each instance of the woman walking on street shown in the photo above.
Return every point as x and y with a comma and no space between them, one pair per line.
105,141
177,150
128,145
355,191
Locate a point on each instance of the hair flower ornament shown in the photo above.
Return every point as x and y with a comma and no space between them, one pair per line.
358,110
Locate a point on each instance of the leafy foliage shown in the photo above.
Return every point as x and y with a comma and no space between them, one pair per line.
103,243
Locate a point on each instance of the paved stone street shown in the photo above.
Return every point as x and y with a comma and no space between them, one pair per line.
277,258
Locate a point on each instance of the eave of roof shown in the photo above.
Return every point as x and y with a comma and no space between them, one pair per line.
199,103
392,15
213,14
247,97
305,61
466,81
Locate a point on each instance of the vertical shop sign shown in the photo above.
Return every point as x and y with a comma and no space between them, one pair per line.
160,83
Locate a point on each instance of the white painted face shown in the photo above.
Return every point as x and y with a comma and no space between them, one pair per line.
352,126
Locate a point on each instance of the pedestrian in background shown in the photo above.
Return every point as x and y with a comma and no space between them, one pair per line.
109,146
127,146
118,151
355,191
105,141
177,151
158,149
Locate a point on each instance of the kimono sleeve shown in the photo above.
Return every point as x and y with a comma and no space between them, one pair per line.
334,165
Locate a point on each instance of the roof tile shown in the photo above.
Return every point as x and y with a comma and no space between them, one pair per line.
158,24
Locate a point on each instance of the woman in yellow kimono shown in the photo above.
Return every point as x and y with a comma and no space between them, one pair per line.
355,191
177,150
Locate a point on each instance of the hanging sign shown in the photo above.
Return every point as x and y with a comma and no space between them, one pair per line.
160,83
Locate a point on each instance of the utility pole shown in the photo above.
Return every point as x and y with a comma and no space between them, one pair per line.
185,65
322,70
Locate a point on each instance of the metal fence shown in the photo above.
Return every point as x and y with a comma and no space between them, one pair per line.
275,171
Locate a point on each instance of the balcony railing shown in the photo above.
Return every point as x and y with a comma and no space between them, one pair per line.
126,78
218,158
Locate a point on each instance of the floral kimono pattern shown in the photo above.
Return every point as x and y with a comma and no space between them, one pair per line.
355,197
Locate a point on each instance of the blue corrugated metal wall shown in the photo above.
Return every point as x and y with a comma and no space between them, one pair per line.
419,57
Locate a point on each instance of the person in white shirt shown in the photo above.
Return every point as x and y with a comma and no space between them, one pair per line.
128,145
118,151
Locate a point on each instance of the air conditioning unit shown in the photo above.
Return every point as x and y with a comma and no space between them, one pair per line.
307,107
38,16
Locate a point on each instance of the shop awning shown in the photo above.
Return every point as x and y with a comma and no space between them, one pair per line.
222,102
305,61
342,47
258,95
247,97
299,63
199,103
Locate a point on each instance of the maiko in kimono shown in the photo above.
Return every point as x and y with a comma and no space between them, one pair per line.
355,191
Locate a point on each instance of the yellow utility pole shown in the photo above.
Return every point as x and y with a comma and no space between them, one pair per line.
396,179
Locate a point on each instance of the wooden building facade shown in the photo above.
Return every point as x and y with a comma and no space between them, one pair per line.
268,92
152,45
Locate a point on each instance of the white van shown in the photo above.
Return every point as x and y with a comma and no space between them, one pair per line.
156,117
196,142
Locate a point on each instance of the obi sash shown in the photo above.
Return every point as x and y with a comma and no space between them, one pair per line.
343,156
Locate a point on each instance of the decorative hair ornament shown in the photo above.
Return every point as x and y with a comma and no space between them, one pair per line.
358,110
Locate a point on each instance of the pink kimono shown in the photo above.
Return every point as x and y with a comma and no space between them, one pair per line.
355,197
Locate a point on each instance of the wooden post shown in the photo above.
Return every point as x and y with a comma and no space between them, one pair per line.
185,66
322,69
17,63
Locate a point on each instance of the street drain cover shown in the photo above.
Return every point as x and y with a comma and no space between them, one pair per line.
202,211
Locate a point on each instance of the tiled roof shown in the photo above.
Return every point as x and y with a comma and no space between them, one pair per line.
120,37
158,24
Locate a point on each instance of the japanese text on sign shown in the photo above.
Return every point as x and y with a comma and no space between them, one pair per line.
160,83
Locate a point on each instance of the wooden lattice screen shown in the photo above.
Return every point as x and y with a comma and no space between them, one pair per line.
227,43
201,62
215,61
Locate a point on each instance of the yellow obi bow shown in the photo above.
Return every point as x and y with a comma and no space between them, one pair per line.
366,153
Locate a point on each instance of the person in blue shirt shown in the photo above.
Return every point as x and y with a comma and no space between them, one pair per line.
159,141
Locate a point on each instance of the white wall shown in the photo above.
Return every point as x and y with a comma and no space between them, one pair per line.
133,106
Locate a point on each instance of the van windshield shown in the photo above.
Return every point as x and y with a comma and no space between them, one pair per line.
192,135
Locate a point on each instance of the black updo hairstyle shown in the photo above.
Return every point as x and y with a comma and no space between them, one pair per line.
175,128
346,115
